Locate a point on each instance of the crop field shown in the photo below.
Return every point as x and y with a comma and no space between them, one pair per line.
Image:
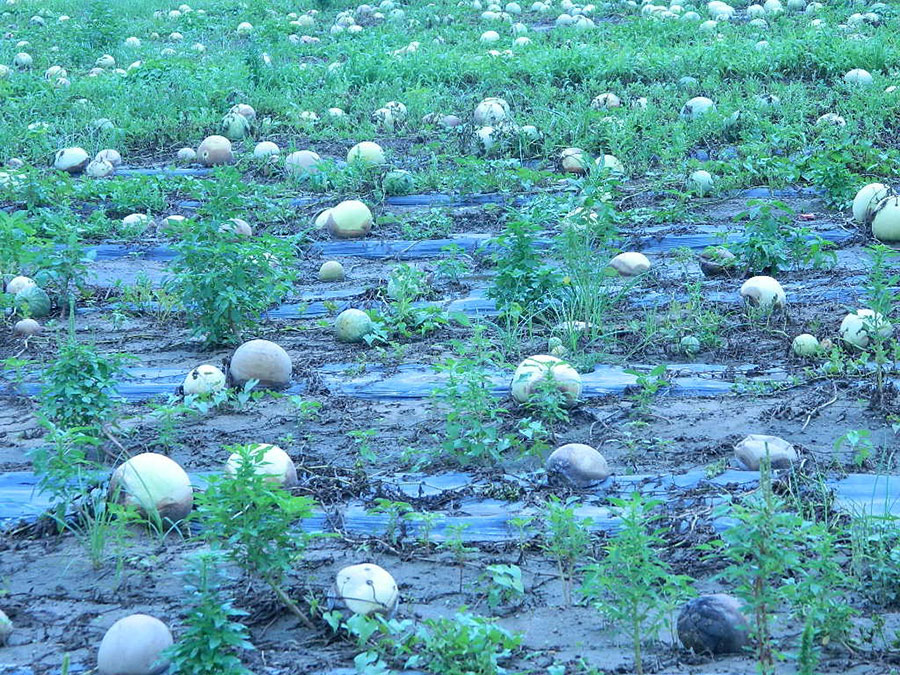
451,337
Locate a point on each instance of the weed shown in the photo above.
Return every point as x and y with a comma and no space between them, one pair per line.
772,243
79,386
647,385
255,522
504,585
473,420
213,636
521,276
566,539
881,299
225,283
631,585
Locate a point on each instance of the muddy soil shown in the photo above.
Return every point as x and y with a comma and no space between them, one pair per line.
61,605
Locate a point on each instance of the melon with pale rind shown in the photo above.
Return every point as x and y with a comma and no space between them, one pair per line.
134,645
366,589
260,360
153,483
205,379
352,325
542,367
276,465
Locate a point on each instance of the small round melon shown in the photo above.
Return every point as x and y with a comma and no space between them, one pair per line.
630,263
99,168
205,379
606,100
366,153
235,126
689,345
352,325
19,283
858,327
700,182
611,163
763,291
574,160
331,270
858,76
536,369
260,360
33,300
349,220
134,646
302,162
697,107
244,110
154,484
490,111
71,160
398,182
886,220
237,226
186,155
751,452
805,345
867,199
276,465
112,156
366,589
215,150
27,327
265,149
578,464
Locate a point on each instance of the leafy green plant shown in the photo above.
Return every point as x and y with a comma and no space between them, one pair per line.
504,584
881,297
462,645
631,585
771,242
213,637
521,276
18,237
225,282
646,387
778,558
254,521
63,262
395,512
79,385
567,539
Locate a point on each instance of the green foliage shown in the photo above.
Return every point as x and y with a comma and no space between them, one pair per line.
225,282
632,586
254,521
566,539
646,387
79,386
64,464
473,423
213,637
777,558
18,236
504,585
64,260
882,298
462,645
771,242
521,276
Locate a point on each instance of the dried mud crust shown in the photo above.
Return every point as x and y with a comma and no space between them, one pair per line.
60,605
